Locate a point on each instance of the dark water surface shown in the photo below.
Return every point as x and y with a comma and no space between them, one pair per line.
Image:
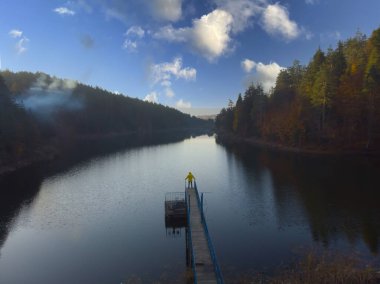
101,220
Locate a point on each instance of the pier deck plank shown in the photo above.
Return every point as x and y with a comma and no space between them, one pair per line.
204,267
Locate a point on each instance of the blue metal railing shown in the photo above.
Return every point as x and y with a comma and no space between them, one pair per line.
190,240
218,272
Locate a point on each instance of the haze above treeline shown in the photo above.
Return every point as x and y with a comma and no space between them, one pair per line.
333,103
40,114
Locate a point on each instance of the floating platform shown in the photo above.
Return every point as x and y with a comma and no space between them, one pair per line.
175,210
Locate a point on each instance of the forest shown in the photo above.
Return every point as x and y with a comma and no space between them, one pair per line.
331,104
41,114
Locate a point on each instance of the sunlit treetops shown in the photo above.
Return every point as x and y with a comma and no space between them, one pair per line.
333,102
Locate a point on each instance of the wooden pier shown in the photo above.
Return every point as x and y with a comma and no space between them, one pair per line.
201,252
185,209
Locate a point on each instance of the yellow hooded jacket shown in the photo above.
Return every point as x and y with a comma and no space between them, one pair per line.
190,177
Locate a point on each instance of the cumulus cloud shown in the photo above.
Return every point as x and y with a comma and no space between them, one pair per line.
212,34
265,74
163,73
64,11
15,33
276,21
242,12
247,65
166,10
135,31
209,35
151,97
182,104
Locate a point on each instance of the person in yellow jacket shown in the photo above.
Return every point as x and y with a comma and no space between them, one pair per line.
190,178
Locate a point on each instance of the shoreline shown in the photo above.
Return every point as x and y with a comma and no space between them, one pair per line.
55,149
44,154
231,139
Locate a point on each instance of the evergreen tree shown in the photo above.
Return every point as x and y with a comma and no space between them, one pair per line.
333,102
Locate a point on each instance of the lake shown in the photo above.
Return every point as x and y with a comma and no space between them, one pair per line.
100,218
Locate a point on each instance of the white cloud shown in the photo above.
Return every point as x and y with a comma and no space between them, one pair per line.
265,74
162,73
15,33
167,10
182,104
130,45
171,34
242,12
21,45
209,35
275,21
135,31
151,97
22,40
247,65
64,11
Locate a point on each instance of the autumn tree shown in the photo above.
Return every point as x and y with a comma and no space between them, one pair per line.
332,102
372,87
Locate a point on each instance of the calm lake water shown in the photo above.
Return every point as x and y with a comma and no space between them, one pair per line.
100,219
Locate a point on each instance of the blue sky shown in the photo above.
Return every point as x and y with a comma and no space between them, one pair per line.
182,53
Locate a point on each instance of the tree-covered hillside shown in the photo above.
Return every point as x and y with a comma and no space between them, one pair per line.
37,110
332,103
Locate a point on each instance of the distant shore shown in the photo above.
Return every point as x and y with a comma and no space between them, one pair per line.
231,139
57,147
42,154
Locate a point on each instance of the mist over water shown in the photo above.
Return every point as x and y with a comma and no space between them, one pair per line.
101,220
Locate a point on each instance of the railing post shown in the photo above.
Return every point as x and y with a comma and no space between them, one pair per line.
203,217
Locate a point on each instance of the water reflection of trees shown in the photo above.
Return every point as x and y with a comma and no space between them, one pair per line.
19,188
339,196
